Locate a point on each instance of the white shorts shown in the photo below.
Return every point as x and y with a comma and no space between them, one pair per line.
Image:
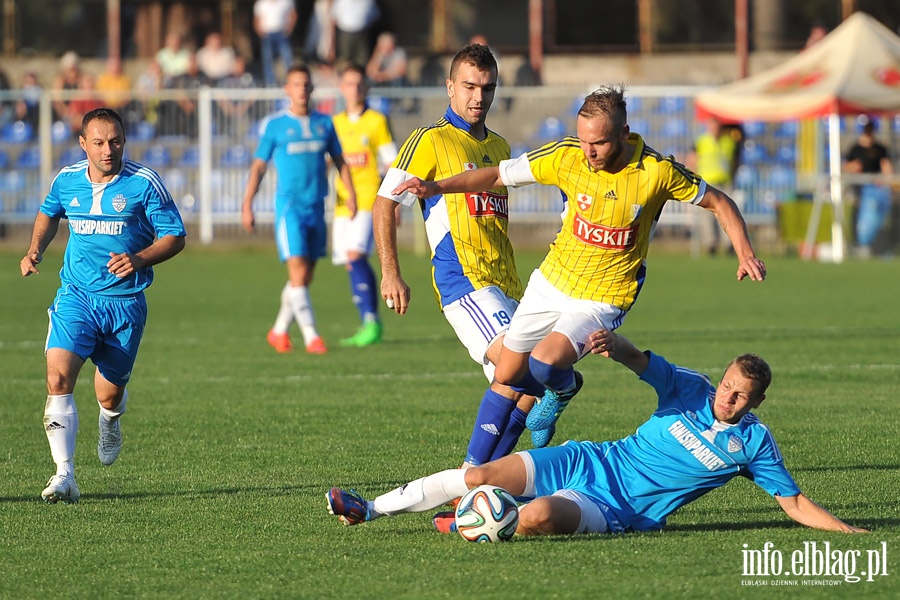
545,309
479,318
351,235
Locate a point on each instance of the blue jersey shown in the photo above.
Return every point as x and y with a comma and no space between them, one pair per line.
298,146
682,452
126,214
679,454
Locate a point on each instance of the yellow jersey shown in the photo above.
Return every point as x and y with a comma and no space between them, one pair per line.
600,249
468,233
361,139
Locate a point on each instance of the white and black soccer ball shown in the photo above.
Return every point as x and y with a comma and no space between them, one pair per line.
487,513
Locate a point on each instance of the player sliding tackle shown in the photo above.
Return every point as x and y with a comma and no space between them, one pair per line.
616,187
698,439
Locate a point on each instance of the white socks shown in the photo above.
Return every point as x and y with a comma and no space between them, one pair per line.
61,426
111,415
303,314
422,494
285,311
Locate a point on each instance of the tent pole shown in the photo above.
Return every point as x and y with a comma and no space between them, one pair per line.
837,204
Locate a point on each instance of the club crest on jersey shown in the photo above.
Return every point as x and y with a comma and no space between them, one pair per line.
469,166
601,236
584,201
735,444
486,204
636,211
119,202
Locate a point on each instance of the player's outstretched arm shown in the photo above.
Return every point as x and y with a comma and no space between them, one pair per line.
806,512
619,348
729,217
477,180
394,290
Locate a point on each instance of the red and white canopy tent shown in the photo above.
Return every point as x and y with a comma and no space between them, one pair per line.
855,69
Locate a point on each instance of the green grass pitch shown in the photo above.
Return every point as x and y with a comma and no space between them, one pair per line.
230,447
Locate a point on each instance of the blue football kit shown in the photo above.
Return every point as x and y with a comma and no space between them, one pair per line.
679,454
298,145
96,314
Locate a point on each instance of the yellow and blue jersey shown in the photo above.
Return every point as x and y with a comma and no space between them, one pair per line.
468,232
126,214
361,139
599,251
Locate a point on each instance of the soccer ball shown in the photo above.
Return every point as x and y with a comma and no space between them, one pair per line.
487,513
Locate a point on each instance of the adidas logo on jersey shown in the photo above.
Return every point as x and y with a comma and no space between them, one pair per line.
486,159
75,203
491,428
610,195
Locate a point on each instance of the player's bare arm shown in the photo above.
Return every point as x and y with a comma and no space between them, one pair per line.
806,512
164,248
394,290
347,179
257,171
619,348
478,180
729,217
45,229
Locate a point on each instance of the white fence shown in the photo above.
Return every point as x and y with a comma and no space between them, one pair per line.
201,142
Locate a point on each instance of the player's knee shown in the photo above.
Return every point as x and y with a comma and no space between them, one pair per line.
59,383
536,518
550,376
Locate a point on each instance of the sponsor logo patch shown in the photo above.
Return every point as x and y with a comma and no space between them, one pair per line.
486,204
610,238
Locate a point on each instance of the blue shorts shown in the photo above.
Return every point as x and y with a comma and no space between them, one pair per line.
106,329
577,466
300,233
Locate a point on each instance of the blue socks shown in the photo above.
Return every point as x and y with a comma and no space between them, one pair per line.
558,380
511,434
490,424
362,285
529,385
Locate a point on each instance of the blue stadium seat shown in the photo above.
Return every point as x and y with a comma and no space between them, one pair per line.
754,153
575,106
746,177
190,157
550,129
782,177
671,105
754,129
29,158
380,104
71,155
518,150
143,132
4,159
787,153
156,157
12,182
16,132
60,132
641,126
674,127
787,129
235,156
634,105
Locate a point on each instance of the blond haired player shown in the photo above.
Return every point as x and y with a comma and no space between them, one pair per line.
615,186
367,143
473,267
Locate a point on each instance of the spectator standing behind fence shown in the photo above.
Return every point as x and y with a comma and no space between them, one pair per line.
86,99
179,116
714,157
274,21
173,58
239,113
68,79
147,88
298,139
115,88
214,58
351,23
388,64
319,34
869,156
28,107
